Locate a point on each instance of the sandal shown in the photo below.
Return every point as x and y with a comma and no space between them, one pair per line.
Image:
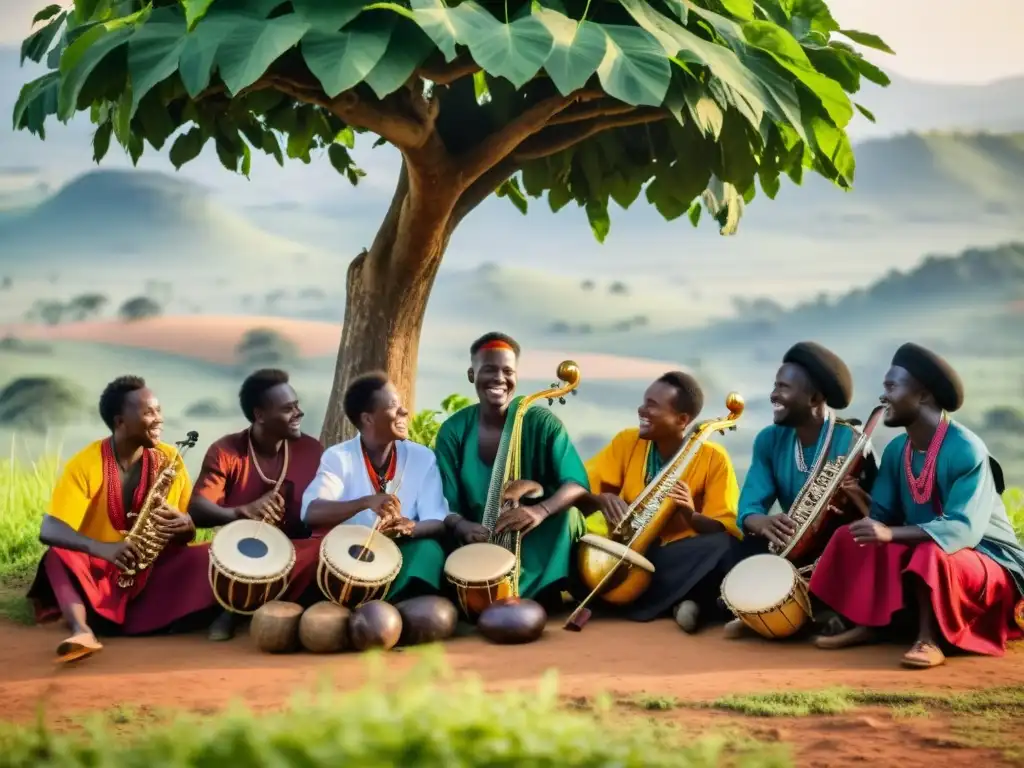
923,655
78,647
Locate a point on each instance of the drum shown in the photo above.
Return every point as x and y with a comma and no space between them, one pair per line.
767,594
598,555
250,563
351,573
481,574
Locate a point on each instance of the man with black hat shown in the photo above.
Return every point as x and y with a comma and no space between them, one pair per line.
938,537
812,383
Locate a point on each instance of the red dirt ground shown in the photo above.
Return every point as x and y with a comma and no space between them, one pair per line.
627,660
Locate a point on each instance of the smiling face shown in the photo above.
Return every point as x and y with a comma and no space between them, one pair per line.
279,414
494,376
141,419
387,419
658,417
794,397
902,397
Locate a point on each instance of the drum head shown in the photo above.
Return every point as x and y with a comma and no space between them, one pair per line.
252,549
479,563
346,552
615,549
759,582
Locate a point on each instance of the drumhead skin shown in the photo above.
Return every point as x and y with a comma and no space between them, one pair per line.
759,582
479,563
343,545
253,549
616,549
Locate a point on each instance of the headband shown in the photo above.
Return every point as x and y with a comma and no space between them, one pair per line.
496,344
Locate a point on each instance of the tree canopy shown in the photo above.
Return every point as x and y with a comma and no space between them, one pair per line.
581,101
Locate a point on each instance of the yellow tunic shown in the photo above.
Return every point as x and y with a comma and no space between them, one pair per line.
80,497
620,468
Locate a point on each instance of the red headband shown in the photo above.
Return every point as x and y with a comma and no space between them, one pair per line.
497,344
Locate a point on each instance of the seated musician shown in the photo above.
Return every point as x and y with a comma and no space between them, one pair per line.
938,540
695,549
96,500
471,440
810,385
261,473
382,474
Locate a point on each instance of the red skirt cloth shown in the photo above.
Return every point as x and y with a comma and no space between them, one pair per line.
302,581
972,596
178,586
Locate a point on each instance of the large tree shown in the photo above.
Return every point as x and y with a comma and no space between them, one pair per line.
688,101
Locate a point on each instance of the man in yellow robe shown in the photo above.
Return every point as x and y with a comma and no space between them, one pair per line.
698,544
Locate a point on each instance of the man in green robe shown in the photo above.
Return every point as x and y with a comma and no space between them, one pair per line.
472,448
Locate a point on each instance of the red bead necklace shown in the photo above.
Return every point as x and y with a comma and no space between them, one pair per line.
923,485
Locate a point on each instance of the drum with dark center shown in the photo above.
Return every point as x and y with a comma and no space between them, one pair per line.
323,628
513,620
375,624
250,563
427,619
275,626
481,574
357,565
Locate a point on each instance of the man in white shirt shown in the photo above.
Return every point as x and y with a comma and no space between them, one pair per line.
381,474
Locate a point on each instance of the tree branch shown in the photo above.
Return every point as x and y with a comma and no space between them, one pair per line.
448,73
481,189
605,109
557,139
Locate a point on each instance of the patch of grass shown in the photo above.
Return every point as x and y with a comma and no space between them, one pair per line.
653,703
422,719
25,488
1014,499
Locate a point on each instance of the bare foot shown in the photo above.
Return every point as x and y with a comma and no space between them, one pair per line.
846,639
77,647
923,655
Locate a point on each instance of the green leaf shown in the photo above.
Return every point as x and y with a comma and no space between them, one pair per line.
741,9
867,39
273,147
705,112
816,12
438,21
252,45
246,160
187,147
328,15
37,101
578,48
694,213
558,197
340,159
156,123
340,60
84,55
409,46
47,13
346,137
35,46
195,10
135,148
480,88
634,68
514,51
597,215
87,9
871,72
101,141
725,204
154,52
510,189
865,111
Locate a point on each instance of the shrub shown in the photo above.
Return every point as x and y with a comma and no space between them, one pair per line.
38,403
265,347
139,308
424,425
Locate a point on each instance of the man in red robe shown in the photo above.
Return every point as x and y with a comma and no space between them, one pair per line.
96,501
241,471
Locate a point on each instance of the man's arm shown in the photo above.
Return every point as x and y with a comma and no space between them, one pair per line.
759,491
605,474
565,463
210,491
322,506
431,508
721,497
69,505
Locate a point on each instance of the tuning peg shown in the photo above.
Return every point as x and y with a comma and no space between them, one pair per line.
575,392
550,401
561,400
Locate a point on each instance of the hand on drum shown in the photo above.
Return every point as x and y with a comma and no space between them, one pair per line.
778,529
681,495
857,495
868,531
469,532
520,519
397,526
268,507
612,507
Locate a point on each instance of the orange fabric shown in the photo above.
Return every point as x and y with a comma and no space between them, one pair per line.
620,468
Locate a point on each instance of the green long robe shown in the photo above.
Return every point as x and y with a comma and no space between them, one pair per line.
547,456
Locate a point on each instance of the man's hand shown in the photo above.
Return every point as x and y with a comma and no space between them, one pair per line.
268,507
171,524
612,507
123,554
778,529
868,531
680,494
468,532
397,527
521,519
860,498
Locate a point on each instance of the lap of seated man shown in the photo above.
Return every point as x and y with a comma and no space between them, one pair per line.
810,386
241,472
96,501
697,546
470,442
381,475
937,540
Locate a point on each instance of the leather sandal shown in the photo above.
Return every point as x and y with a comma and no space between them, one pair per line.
78,647
923,655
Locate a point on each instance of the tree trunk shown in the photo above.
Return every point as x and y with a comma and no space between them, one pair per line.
387,292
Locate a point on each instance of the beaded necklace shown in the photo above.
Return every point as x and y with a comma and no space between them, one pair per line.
923,485
381,478
259,470
119,516
824,441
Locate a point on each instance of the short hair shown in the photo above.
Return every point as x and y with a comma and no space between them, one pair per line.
689,397
255,388
359,396
114,395
492,338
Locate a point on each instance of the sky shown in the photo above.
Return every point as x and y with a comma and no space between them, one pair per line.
935,40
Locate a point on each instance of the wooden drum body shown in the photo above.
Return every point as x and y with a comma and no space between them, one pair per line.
250,565
357,565
481,574
599,555
767,594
